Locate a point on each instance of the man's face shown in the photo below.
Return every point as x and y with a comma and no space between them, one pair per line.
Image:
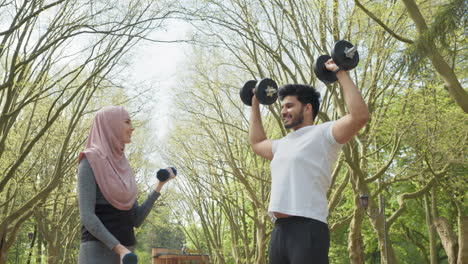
292,112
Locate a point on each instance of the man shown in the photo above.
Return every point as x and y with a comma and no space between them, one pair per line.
301,165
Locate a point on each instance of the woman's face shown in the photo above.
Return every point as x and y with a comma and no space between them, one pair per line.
127,131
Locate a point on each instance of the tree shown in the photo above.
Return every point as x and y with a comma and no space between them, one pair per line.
221,192
431,39
55,56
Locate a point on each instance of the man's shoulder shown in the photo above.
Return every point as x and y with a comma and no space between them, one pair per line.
318,127
326,123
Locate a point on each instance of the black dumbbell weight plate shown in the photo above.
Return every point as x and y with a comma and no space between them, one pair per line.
174,171
266,91
321,71
246,93
163,175
343,56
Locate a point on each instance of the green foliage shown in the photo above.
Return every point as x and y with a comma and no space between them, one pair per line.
338,245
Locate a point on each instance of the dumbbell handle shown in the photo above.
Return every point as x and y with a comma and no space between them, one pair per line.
270,91
349,52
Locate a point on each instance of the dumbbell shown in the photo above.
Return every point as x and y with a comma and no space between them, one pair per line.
130,258
164,174
266,91
344,54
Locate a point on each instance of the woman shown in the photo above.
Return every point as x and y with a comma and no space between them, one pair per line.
107,192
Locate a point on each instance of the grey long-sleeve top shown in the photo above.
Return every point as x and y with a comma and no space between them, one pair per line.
89,195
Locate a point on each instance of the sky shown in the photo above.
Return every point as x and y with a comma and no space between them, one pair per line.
157,64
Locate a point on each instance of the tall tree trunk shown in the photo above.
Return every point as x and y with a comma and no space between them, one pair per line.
39,249
3,250
355,243
52,254
261,242
379,223
31,246
448,238
462,237
432,232
386,248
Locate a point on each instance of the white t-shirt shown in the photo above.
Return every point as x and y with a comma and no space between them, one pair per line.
301,172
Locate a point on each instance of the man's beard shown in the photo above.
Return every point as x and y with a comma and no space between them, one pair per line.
295,121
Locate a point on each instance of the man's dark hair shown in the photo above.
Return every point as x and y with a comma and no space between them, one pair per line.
305,94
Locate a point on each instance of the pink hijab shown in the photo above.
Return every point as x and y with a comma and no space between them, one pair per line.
105,153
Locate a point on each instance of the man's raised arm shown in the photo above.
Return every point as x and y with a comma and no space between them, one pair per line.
349,125
257,137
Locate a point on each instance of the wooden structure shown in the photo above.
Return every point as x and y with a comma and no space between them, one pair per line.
166,256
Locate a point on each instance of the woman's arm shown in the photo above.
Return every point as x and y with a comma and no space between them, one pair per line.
141,212
87,203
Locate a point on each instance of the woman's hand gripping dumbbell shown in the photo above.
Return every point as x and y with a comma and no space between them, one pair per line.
165,175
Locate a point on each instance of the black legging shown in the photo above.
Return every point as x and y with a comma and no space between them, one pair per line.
299,240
